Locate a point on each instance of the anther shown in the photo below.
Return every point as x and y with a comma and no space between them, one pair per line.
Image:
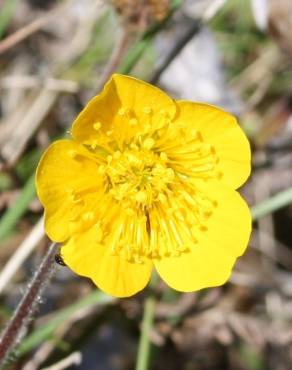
72,153
148,143
163,156
133,121
97,126
170,173
133,160
109,132
123,111
138,259
141,196
94,144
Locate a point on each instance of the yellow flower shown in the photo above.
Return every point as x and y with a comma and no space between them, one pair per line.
147,181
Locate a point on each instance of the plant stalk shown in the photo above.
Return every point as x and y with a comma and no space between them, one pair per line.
144,347
17,325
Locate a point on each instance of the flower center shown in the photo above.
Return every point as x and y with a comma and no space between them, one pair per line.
138,176
150,170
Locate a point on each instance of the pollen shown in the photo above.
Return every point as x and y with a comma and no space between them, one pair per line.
141,197
97,126
133,121
123,111
148,143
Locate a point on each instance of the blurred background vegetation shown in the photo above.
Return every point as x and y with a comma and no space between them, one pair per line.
54,56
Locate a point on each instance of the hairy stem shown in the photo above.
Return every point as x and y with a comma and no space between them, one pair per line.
15,328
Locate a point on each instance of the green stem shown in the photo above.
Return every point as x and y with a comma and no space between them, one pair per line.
144,347
272,204
6,15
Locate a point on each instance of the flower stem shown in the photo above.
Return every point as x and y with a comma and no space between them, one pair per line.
144,347
144,342
17,325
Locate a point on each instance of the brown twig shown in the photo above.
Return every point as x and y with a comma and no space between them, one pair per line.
18,323
192,30
28,30
40,106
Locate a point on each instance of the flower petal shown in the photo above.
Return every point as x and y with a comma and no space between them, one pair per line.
111,273
221,130
66,182
122,99
209,262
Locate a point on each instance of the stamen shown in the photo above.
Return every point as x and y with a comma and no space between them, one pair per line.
141,197
123,111
148,143
94,144
133,121
97,126
163,156
72,153
154,208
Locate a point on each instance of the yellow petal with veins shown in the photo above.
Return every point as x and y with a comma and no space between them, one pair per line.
221,130
209,261
126,104
111,273
68,185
